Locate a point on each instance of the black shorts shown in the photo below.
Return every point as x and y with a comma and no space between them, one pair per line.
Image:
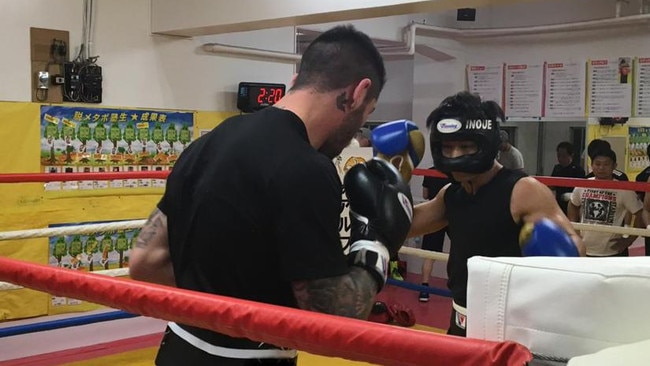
434,241
176,351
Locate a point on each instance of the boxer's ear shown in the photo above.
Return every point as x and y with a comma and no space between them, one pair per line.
359,93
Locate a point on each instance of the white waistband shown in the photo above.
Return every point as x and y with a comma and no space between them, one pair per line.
459,308
229,352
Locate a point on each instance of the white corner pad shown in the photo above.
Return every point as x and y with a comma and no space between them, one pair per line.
559,306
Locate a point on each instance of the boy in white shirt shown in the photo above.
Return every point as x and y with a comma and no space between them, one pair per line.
604,207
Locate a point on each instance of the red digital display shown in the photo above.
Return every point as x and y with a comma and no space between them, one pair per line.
255,96
267,96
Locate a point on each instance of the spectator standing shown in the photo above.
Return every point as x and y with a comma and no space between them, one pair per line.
566,168
509,156
605,207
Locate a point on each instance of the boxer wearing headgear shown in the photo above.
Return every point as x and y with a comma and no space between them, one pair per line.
486,206
478,128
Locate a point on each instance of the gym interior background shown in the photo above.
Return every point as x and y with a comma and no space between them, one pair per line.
150,54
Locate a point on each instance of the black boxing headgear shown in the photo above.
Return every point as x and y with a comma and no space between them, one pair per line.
463,117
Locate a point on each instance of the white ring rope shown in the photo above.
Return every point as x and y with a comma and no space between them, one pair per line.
633,231
135,224
425,254
72,229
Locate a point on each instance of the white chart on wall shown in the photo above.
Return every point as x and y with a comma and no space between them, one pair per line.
564,89
642,86
524,96
609,87
486,81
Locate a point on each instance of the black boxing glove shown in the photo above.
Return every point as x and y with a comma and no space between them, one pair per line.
381,211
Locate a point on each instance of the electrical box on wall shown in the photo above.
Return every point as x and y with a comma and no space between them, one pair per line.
71,86
54,78
82,82
90,78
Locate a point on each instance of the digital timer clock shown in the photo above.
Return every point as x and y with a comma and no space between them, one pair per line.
252,97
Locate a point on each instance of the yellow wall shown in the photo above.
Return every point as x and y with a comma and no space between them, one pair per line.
29,206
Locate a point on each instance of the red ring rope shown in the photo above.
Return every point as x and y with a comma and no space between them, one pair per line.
312,332
558,182
549,181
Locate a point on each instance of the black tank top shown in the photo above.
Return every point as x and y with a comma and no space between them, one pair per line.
480,224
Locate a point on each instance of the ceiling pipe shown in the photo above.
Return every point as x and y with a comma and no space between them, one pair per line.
286,57
411,31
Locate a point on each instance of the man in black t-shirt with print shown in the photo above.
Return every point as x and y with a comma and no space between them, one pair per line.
252,208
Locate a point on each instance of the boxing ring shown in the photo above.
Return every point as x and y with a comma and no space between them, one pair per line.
316,333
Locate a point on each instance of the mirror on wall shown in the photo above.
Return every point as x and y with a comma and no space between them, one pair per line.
537,141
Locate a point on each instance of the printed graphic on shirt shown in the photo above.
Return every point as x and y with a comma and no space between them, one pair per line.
598,206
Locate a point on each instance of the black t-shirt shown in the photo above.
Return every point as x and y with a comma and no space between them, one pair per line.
643,177
480,224
434,184
252,206
570,171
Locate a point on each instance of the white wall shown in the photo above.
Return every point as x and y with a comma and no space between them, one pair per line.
139,70
387,28
529,13
201,17
16,18
396,99
151,71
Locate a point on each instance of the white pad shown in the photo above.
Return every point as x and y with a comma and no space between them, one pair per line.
559,306
635,354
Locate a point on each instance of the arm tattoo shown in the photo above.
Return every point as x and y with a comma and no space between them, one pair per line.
151,228
350,295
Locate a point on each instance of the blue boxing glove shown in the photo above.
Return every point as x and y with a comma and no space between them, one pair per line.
546,238
401,143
